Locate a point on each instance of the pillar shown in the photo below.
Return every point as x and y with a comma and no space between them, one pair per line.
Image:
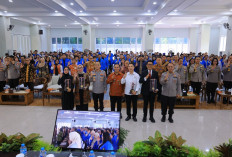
148,37
229,37
86,37
204,38
35,38
6,45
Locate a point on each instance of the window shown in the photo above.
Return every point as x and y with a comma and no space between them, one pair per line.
222,43
66,44
118,43
73,43
164,45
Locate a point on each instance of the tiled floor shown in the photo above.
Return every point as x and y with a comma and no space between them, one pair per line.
201,128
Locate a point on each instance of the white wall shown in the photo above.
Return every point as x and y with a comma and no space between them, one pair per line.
66,32
171,32
118,32
21,36
20,27
44,40
214,40
193,39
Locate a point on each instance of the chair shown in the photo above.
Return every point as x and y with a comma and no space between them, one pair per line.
40,84
53,83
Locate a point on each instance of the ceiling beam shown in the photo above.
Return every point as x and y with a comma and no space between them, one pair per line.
81,4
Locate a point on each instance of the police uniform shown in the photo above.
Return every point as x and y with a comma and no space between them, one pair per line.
99,86
159,69
170,89
197,77
2,76
227,78
214,77
182,71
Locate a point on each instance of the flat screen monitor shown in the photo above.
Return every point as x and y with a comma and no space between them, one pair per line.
87,130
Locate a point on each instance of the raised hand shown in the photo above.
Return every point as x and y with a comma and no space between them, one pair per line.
125,75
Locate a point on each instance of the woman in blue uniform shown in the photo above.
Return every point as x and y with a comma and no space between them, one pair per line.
106,145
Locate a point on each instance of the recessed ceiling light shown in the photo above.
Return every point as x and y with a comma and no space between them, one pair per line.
11,1
71,4
175,10
5,11
115,11
154,3
81,11
65,25
56,11
49,25
75,21
97,25
112,0
230,9
117,25
152,17
149,11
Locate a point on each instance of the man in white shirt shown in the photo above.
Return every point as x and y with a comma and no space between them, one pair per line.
132,89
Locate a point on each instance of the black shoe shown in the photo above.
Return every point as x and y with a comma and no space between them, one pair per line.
230,102
121,116
152,120
127,118
144,119
208,102
135,119
170,119
163,119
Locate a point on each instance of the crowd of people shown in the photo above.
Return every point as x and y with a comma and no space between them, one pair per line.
87,138
127,73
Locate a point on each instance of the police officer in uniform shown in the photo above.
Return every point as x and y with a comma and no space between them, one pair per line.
227,75
213,79
197,72
171,88
98,77
182,71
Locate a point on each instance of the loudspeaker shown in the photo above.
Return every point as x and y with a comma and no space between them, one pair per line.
40,32
10,28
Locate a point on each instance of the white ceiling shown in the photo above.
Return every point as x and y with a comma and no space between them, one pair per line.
128,13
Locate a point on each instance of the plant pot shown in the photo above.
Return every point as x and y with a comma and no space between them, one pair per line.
10,154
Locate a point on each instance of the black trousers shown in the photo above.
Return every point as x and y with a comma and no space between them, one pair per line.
160,91
165,102
2,85
13,82
113,100
30,85
210,90
227,85
99,97
183,86
133,99
150,98
196,87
